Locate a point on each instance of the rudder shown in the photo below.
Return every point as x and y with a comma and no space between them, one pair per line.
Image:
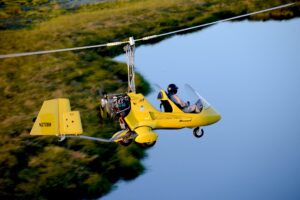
56,118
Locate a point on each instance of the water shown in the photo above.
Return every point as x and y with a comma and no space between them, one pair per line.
250,72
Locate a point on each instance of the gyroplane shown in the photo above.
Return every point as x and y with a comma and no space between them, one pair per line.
137,117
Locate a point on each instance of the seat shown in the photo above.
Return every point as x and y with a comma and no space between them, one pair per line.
169,106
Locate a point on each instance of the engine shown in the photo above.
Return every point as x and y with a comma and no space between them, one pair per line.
121,105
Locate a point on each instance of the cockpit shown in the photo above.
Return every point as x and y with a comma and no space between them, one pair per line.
169,106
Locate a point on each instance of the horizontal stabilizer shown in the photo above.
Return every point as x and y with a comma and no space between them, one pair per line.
145,135
56,118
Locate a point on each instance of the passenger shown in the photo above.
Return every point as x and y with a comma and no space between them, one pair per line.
185,107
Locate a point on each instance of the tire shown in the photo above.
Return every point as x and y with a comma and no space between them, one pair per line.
198,132
147,144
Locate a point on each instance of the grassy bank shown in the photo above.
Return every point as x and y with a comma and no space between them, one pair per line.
42,168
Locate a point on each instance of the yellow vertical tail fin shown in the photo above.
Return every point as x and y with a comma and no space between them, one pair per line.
56,118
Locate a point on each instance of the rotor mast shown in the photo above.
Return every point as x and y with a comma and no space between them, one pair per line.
129,49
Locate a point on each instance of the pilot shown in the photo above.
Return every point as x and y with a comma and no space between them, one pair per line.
184,106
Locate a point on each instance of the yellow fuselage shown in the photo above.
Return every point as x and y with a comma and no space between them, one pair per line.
143,114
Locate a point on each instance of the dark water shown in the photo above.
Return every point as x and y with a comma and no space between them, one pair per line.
250,72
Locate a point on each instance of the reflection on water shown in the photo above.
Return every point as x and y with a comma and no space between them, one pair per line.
250,72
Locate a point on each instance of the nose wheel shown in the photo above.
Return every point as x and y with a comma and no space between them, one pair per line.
198,132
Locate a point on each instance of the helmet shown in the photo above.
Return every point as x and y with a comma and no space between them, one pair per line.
172,89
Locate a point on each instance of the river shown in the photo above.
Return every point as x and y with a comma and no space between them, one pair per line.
250,72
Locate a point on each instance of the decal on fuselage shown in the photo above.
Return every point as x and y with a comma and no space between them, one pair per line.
45,124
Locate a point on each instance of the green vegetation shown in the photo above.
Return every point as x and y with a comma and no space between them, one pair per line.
41,167
23,13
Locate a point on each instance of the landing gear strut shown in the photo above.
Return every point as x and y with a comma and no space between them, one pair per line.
126,141
198,132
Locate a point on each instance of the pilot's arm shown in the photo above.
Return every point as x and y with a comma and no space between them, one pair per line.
178,101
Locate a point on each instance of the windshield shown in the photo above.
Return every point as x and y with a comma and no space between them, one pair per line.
194,96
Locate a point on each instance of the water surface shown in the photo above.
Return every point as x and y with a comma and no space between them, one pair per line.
250,72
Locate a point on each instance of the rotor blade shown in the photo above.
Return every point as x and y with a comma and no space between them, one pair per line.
214,22
144,38
61,50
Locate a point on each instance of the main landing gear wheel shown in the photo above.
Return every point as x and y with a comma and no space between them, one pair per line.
126,141
198,132
147,144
